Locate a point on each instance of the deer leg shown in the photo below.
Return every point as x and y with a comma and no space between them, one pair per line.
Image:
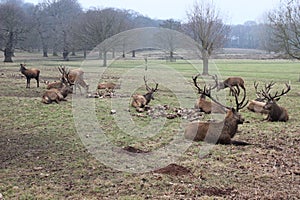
37,82
28,83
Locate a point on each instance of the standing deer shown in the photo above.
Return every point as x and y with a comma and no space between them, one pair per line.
30,73
276,112
218,132
74,77
202,104
140,101
232,82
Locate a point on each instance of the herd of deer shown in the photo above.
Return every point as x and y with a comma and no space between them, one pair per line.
212,132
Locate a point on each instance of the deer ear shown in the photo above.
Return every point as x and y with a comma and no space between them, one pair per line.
277,99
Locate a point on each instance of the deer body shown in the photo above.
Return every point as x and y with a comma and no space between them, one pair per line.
56,95
208,106
29,74
140,101
257,106
233,82
74,77
215,132
56,84
109,86
276,112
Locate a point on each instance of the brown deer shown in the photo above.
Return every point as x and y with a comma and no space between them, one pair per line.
218,132
55,84
56,95
141,101
231,82
204,105
108,86
30,73
258,104
74,77
276,112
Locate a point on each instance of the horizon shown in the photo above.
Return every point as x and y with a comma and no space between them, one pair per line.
232,12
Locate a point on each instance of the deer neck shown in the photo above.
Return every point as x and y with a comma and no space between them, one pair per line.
148,97
230,124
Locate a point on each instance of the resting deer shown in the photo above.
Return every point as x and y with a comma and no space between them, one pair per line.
204,105
258,104
140,101
56,95
232,82
74,77
218,132
276,112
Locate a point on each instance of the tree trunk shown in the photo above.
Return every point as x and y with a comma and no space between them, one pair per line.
65,55
84,53
205,57
8,55
133,53
205,66
8,51
104,59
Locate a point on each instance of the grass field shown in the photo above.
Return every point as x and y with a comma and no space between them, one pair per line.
42,156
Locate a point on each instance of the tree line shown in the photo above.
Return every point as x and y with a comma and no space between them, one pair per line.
64,27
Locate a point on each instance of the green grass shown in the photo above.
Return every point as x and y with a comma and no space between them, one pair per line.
42,156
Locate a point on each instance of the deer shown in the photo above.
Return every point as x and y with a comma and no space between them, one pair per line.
231,82
276,112
258,104
55,84
140,102
56,95
218,132
74,77
204,105
29,74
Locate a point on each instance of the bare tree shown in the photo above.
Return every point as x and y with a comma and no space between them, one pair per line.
12,28
95,26
168,40
207,28
285,25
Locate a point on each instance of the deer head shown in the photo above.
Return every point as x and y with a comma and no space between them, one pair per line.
150,94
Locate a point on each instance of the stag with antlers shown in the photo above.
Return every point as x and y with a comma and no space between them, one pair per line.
74,77
258,104
204,105
141,101
276,112
218,132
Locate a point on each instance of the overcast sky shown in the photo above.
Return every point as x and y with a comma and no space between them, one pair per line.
233,11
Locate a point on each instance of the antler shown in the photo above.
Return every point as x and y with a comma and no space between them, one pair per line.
207,92
148,88
267,95
215,78
239,105
65,73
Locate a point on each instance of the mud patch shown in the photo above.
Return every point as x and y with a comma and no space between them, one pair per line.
174,170
133,150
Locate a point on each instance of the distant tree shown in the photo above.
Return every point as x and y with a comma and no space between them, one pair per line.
54,19
168,38
284,23
96,25
12,28
207,28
